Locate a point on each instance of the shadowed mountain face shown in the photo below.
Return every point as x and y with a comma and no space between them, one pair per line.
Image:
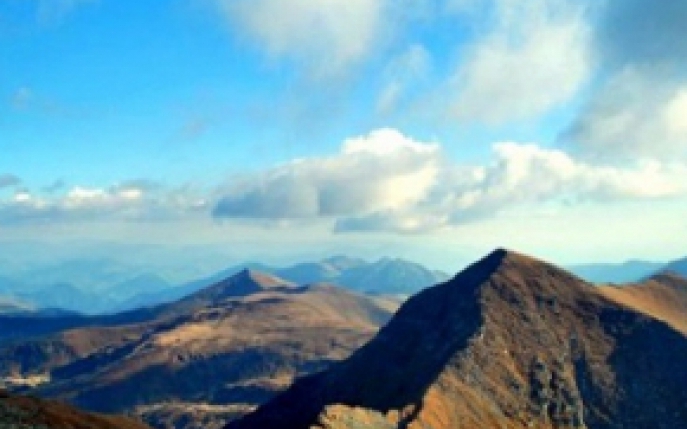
510,342
19,412
232,345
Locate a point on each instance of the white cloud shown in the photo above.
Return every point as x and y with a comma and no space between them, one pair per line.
635,114
536,58
388,182
403,73
328,35
640,105
126,202
381,171
529,174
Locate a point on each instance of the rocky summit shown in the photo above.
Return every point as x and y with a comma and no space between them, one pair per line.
510,342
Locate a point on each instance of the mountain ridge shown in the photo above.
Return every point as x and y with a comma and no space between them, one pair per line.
508,342
232,345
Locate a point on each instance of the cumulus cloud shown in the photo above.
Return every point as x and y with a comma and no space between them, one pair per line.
536,58
529,174
328,35
136,200
386,181
381,171
633,115
641,108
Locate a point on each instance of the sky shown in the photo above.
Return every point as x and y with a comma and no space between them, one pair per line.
282,129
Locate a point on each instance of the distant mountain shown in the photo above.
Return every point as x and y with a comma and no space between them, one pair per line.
679,267
626,272
509,342
29,413
82,299
156,297
230,346
384,277
142,283
92,274
99,286
391,276
9,306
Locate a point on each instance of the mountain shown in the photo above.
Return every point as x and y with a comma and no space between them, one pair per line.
383,277
81,299
663,296
510,342
28,413
146,282
149,298
102,286
94,274
626,272
390,276
679,267
10,306
202,360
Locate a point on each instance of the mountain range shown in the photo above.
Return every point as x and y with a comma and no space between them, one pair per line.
202,360
510,342
101,286
74,290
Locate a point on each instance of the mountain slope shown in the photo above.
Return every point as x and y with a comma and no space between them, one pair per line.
663,296
385,276
390,276
233,344
510,342
17,412
678,267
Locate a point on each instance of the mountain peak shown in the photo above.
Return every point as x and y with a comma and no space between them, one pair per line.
259,278
245,282
509,341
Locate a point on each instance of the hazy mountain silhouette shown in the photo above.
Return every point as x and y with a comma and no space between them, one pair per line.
626,272
679,266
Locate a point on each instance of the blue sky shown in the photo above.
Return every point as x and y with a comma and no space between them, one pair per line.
429,129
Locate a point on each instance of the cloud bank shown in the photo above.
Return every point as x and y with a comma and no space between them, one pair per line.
130,201
386,181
